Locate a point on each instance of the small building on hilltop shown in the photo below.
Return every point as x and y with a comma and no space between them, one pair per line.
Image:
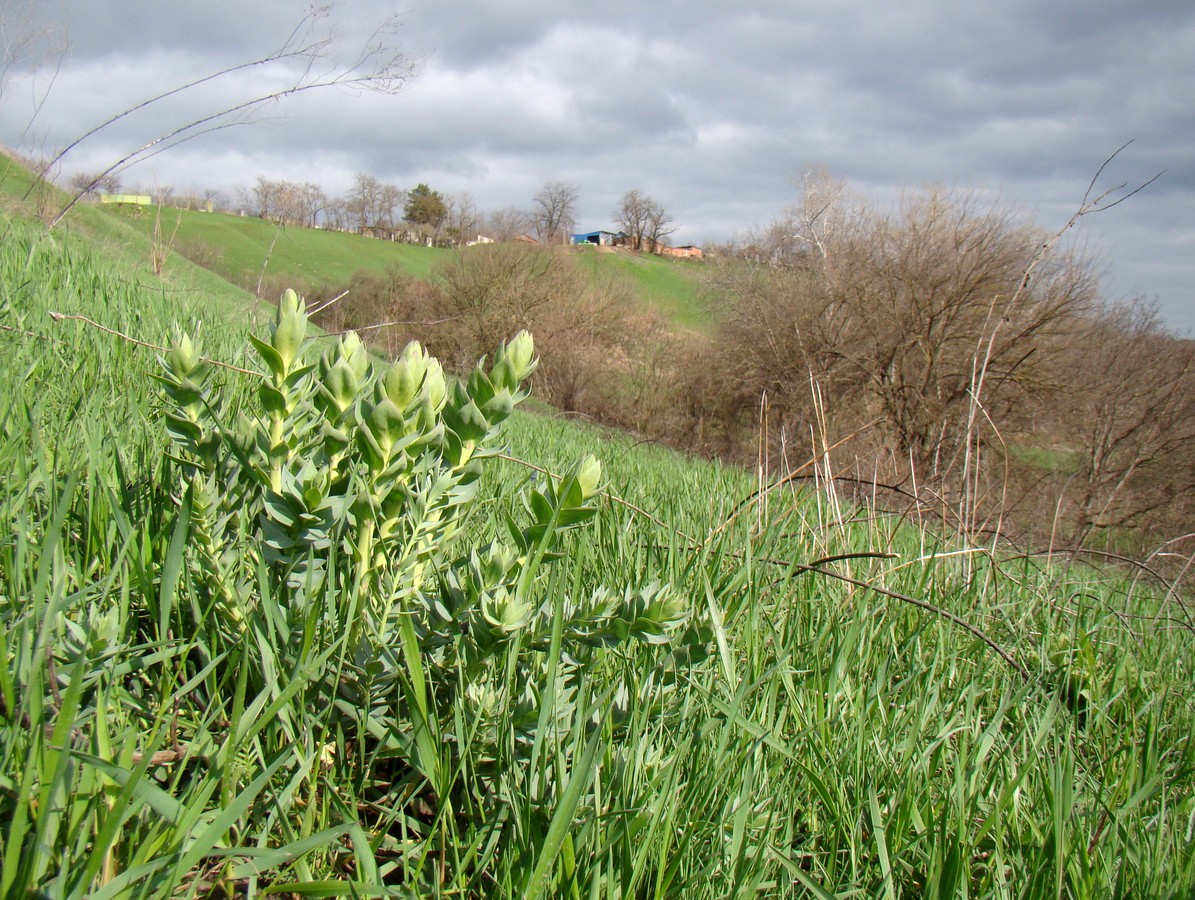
599,238
686,252
644,244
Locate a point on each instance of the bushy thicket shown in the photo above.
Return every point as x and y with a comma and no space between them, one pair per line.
588,327
974,365
977,370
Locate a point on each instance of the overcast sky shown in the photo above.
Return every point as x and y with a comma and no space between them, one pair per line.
712,108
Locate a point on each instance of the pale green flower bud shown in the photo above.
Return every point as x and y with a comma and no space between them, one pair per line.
497,562
434,385
386,424
182,356
291,302
502,611
341,382
354,353
589,476
520,354
290,328
405,377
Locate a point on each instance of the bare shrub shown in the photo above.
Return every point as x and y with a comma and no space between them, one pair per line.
271,287
889,318
387,309
579,319
972,358
1130,420
599,355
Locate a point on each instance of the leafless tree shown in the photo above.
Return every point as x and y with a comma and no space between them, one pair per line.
824,209
554,211
216,199
312,202
336,215
90,185
361,202
659,226
391,199
643,220
463,221
372,203
276,200
509,223
287,202
887,315
312,48
1130,413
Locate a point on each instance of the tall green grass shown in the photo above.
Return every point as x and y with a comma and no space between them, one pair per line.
797,736
66,374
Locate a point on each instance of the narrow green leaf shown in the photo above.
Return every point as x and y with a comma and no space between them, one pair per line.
259,860
172,566
881,838
562,819
144,791
206,840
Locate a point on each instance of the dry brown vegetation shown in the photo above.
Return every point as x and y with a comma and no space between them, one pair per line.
974,365
587,327
1131,426
985,373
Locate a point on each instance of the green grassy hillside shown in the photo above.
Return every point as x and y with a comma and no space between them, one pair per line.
332,627
670,286
238,247
128,248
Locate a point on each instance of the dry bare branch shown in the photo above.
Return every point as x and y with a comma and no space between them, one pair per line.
64,317
378,66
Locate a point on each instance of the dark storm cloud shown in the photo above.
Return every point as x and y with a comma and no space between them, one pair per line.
713,108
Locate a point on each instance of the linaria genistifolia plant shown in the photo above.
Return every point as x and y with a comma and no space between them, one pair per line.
332,517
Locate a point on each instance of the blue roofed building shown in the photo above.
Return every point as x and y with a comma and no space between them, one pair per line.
600,238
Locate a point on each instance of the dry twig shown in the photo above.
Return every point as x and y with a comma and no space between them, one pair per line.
60,317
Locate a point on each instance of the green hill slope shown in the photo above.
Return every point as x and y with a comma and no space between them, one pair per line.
325,630
129,249
670,286
239,248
